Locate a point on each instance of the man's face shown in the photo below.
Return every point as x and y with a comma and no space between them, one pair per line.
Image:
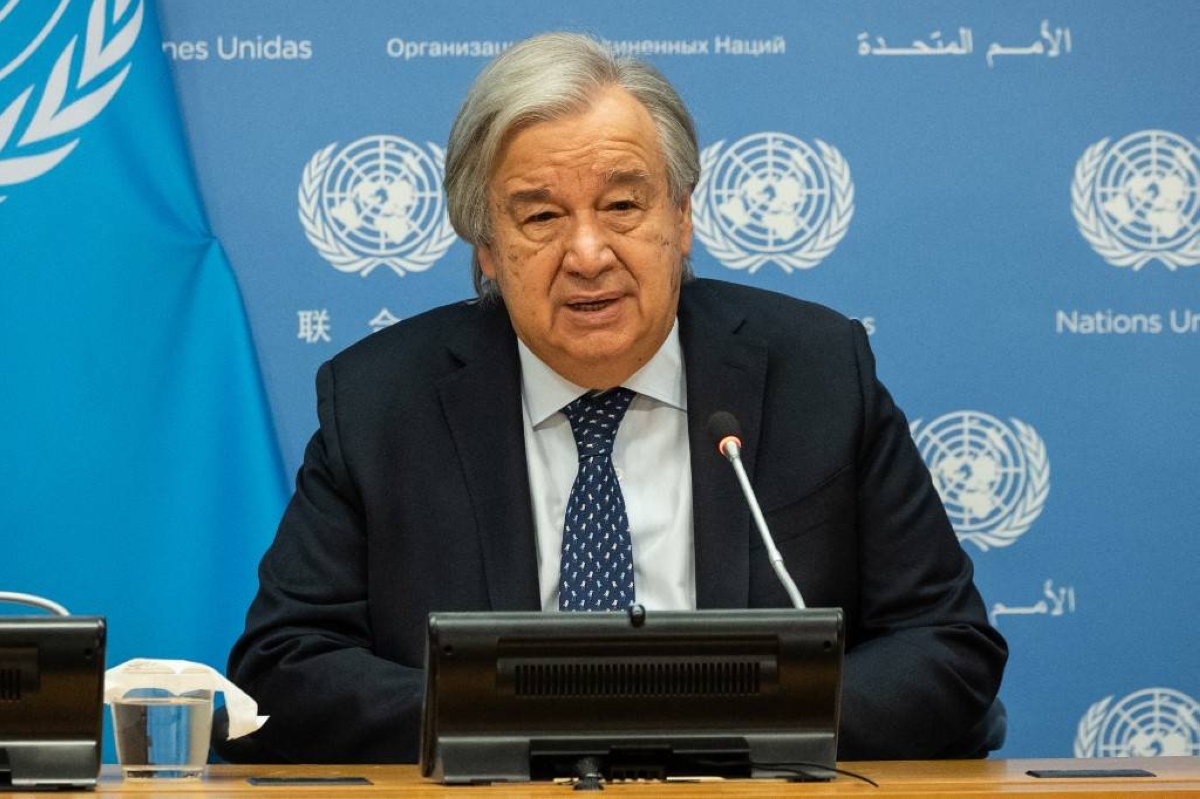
587,246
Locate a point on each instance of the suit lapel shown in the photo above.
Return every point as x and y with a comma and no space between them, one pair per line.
725,372
482,403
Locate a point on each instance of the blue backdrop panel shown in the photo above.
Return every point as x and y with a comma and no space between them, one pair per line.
1008,195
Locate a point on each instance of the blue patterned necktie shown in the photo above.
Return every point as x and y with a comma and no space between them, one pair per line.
597,552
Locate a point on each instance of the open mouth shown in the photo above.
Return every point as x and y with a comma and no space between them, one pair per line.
596,305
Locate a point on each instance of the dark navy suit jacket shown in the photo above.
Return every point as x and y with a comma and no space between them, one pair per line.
414,497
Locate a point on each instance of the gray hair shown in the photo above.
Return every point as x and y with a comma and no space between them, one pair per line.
544,78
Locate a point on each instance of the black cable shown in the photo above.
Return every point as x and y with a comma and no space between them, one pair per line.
797,768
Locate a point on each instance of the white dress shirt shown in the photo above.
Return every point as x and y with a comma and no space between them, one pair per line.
653,464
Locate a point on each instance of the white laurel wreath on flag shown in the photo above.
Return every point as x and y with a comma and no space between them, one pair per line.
1033,501
323,238
832,230
1089,728
1097,234
55,116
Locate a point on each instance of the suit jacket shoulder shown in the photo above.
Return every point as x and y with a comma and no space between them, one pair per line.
765,310
424,347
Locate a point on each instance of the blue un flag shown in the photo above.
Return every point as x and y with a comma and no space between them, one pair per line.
140,474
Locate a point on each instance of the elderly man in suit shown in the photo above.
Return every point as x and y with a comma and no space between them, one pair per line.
456,448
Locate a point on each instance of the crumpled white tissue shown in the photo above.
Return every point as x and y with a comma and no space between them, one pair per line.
180,676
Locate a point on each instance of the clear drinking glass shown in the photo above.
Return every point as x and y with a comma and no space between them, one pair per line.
161,734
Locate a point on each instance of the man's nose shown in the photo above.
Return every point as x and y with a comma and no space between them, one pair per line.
588,253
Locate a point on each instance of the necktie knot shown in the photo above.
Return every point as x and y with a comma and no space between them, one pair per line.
594,421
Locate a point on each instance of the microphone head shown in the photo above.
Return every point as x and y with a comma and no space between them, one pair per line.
723,427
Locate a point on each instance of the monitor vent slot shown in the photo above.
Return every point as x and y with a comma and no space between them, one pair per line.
641,678
10,685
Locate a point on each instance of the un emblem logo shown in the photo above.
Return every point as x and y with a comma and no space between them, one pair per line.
993,478
377,201
41,126
771,197
1140,199
1147,723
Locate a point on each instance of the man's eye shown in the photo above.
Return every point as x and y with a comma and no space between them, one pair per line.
622,205
544,216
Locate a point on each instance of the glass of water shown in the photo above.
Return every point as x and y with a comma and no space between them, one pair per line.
161,734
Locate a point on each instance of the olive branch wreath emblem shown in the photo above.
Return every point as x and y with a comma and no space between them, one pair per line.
831,231
22,154
1033,500
1096,233
1089,728
1172,704
323,237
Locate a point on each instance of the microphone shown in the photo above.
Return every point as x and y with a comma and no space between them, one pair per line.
726,433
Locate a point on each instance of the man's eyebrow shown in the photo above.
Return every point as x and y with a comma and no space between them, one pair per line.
627,177
527,196
541,194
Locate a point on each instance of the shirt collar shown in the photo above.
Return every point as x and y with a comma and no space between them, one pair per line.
545,391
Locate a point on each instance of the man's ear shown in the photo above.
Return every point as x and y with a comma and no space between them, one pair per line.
487,261
685,227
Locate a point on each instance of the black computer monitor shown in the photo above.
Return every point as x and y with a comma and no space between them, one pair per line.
637,695
51,702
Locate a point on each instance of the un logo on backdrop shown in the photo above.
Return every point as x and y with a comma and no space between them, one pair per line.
993,478
377,201
1140,199
34,142
1147,723
771,197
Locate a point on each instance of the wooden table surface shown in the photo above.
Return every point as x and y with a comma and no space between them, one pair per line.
1178,776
